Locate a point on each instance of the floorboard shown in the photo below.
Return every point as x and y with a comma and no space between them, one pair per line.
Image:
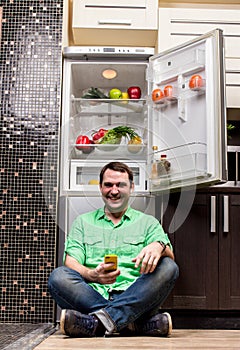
180,339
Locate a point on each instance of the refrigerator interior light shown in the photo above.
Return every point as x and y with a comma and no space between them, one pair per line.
109,74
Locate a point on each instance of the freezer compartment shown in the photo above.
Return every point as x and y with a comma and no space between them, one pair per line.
84,176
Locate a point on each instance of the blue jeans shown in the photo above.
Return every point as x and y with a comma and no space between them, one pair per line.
71,291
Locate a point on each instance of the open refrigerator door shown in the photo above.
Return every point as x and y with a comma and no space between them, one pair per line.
188,118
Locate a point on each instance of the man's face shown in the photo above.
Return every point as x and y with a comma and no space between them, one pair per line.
116,190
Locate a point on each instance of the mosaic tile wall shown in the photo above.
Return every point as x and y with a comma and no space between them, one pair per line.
30,68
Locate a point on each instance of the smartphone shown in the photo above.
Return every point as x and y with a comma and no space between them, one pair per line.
111,258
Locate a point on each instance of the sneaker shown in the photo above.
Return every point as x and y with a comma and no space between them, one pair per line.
76,324
159,325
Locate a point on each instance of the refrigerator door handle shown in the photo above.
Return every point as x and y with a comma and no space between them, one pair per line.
213,214
225,213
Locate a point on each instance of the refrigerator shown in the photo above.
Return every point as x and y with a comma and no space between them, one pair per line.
180,118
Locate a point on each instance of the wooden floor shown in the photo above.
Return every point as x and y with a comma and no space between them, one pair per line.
180,339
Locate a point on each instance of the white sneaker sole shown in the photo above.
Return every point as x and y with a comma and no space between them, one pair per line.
62,321
169,323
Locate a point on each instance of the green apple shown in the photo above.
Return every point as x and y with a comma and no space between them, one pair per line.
115,93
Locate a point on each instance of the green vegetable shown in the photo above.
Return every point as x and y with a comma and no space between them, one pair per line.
94,93
114,136
230,127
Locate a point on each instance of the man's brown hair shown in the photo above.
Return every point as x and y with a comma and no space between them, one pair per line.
116,166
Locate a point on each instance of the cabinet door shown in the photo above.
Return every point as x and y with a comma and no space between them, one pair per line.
115,14
196,252
176,25
112,22
229,257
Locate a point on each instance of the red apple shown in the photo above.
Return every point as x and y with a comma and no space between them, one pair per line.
134,92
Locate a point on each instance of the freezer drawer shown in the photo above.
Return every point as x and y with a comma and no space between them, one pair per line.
84,176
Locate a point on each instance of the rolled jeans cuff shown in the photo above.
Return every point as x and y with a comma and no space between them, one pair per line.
106,320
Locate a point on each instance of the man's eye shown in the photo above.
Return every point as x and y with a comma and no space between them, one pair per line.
108,185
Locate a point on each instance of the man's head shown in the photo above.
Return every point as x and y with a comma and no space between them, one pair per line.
116,185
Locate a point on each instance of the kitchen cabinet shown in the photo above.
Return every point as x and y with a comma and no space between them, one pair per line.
114,22
176,25
207,249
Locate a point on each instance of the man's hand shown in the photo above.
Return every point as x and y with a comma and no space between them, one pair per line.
102,276
99,274
148,257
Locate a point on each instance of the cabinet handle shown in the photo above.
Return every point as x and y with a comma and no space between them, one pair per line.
225,213
213,214
236,178
115,22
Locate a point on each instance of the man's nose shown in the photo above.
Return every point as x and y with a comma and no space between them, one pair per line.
115,188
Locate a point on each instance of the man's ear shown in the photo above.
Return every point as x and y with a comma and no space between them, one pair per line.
132,188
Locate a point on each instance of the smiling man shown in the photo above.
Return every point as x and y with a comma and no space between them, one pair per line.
95,300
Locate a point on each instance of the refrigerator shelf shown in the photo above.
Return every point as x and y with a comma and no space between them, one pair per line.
110,151
87,107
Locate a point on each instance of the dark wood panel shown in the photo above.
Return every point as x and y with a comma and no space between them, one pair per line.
229,261
196,252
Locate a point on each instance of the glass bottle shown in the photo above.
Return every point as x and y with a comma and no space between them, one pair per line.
155,165
164,165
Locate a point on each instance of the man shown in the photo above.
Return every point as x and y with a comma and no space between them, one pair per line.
96,301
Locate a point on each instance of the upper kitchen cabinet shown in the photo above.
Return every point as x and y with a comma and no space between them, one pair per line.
176,25
112,22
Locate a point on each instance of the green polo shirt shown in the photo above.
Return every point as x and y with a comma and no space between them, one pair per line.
93,235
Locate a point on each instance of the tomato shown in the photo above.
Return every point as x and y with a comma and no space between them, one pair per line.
196,82
99,134
84,140
168,91
157,95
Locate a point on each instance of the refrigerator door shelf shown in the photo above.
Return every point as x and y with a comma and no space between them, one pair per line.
84,175
167,70
166,95
184,167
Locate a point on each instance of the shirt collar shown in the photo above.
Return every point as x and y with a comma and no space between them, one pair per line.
127,215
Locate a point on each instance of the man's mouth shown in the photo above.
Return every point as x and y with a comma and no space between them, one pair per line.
114,198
